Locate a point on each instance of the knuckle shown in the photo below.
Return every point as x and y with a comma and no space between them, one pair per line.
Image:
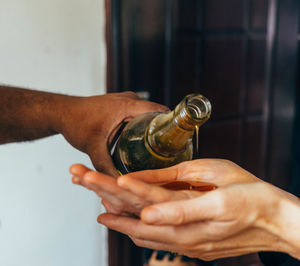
207,247
220,202
179,215
130,94
130,106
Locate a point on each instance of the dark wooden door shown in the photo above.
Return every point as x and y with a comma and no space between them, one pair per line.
241,54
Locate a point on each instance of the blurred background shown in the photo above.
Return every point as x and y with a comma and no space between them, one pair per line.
241,54
56,46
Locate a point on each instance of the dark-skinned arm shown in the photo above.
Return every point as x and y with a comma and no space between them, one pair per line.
28,115
87,123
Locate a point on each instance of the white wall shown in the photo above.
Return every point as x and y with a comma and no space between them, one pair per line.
54,45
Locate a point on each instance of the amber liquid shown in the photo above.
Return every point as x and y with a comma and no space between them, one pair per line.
197,140
189,185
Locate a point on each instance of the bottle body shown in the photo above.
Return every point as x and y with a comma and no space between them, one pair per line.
133,153
159,140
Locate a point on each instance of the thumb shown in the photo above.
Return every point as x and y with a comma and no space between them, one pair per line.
141,107
198,209
152,107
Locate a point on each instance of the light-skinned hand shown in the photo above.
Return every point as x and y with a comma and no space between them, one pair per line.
117,197
243,215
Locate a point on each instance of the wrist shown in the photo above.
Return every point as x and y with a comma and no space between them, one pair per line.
289,223
61,111
280,216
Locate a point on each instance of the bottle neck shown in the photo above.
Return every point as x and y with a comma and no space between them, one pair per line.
172,133
166,137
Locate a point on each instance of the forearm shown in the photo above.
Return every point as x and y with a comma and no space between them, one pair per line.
28,115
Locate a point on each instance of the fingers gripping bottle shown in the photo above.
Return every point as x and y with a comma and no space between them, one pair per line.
159,140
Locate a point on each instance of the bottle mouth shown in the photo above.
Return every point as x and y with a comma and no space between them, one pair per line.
198,107
193,111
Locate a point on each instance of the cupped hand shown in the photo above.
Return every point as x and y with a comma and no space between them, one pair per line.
121,201
89,123
226,222
243,215
135,191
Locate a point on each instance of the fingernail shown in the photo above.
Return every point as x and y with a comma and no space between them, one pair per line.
71,170
152,216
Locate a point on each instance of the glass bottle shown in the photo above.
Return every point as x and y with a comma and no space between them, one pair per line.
159,140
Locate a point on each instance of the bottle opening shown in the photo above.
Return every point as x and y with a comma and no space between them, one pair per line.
199,107
192,111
